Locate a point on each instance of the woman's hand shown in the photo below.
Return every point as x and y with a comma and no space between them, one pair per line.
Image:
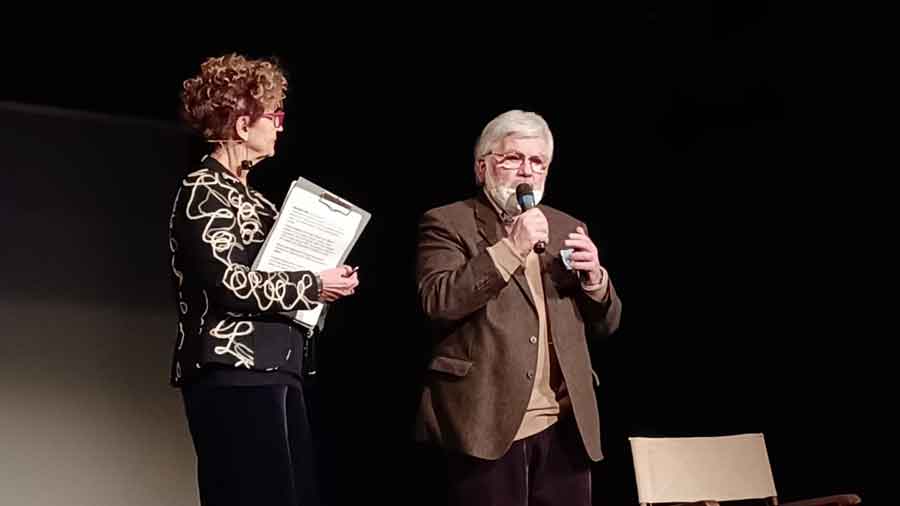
338,282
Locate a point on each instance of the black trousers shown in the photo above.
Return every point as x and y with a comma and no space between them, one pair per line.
548,468
253,445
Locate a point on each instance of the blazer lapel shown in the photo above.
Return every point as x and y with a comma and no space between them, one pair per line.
548,262
491,229
559,283
549,271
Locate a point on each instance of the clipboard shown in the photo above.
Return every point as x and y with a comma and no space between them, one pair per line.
336,204
333,204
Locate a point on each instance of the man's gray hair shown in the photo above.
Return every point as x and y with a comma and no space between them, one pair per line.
514,123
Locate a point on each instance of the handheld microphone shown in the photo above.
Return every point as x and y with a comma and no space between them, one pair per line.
525,197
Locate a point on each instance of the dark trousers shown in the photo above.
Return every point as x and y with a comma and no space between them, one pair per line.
548,468
253,445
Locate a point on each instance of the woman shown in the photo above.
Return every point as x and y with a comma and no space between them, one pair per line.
238,360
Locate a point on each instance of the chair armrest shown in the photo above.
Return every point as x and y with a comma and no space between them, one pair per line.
832,500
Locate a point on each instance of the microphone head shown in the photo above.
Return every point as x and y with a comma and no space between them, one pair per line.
522,189
525,196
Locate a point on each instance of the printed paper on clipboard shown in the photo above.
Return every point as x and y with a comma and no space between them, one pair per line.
315,230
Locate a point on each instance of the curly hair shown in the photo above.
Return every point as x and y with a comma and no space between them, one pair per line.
228,87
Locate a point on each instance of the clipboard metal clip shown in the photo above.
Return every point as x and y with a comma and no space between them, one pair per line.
335,204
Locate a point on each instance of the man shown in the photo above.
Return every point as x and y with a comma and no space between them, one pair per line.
509,392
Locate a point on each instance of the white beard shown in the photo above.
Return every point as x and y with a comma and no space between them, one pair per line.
505,196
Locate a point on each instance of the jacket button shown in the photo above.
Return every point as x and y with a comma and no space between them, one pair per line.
529,375
533,340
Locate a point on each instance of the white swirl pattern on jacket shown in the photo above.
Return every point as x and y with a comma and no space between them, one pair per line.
236,211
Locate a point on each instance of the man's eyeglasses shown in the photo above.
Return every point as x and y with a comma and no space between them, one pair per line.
514,160
276,117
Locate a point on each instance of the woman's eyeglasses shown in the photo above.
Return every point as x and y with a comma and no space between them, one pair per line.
276,117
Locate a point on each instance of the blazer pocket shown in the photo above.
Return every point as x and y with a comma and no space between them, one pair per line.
450,365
